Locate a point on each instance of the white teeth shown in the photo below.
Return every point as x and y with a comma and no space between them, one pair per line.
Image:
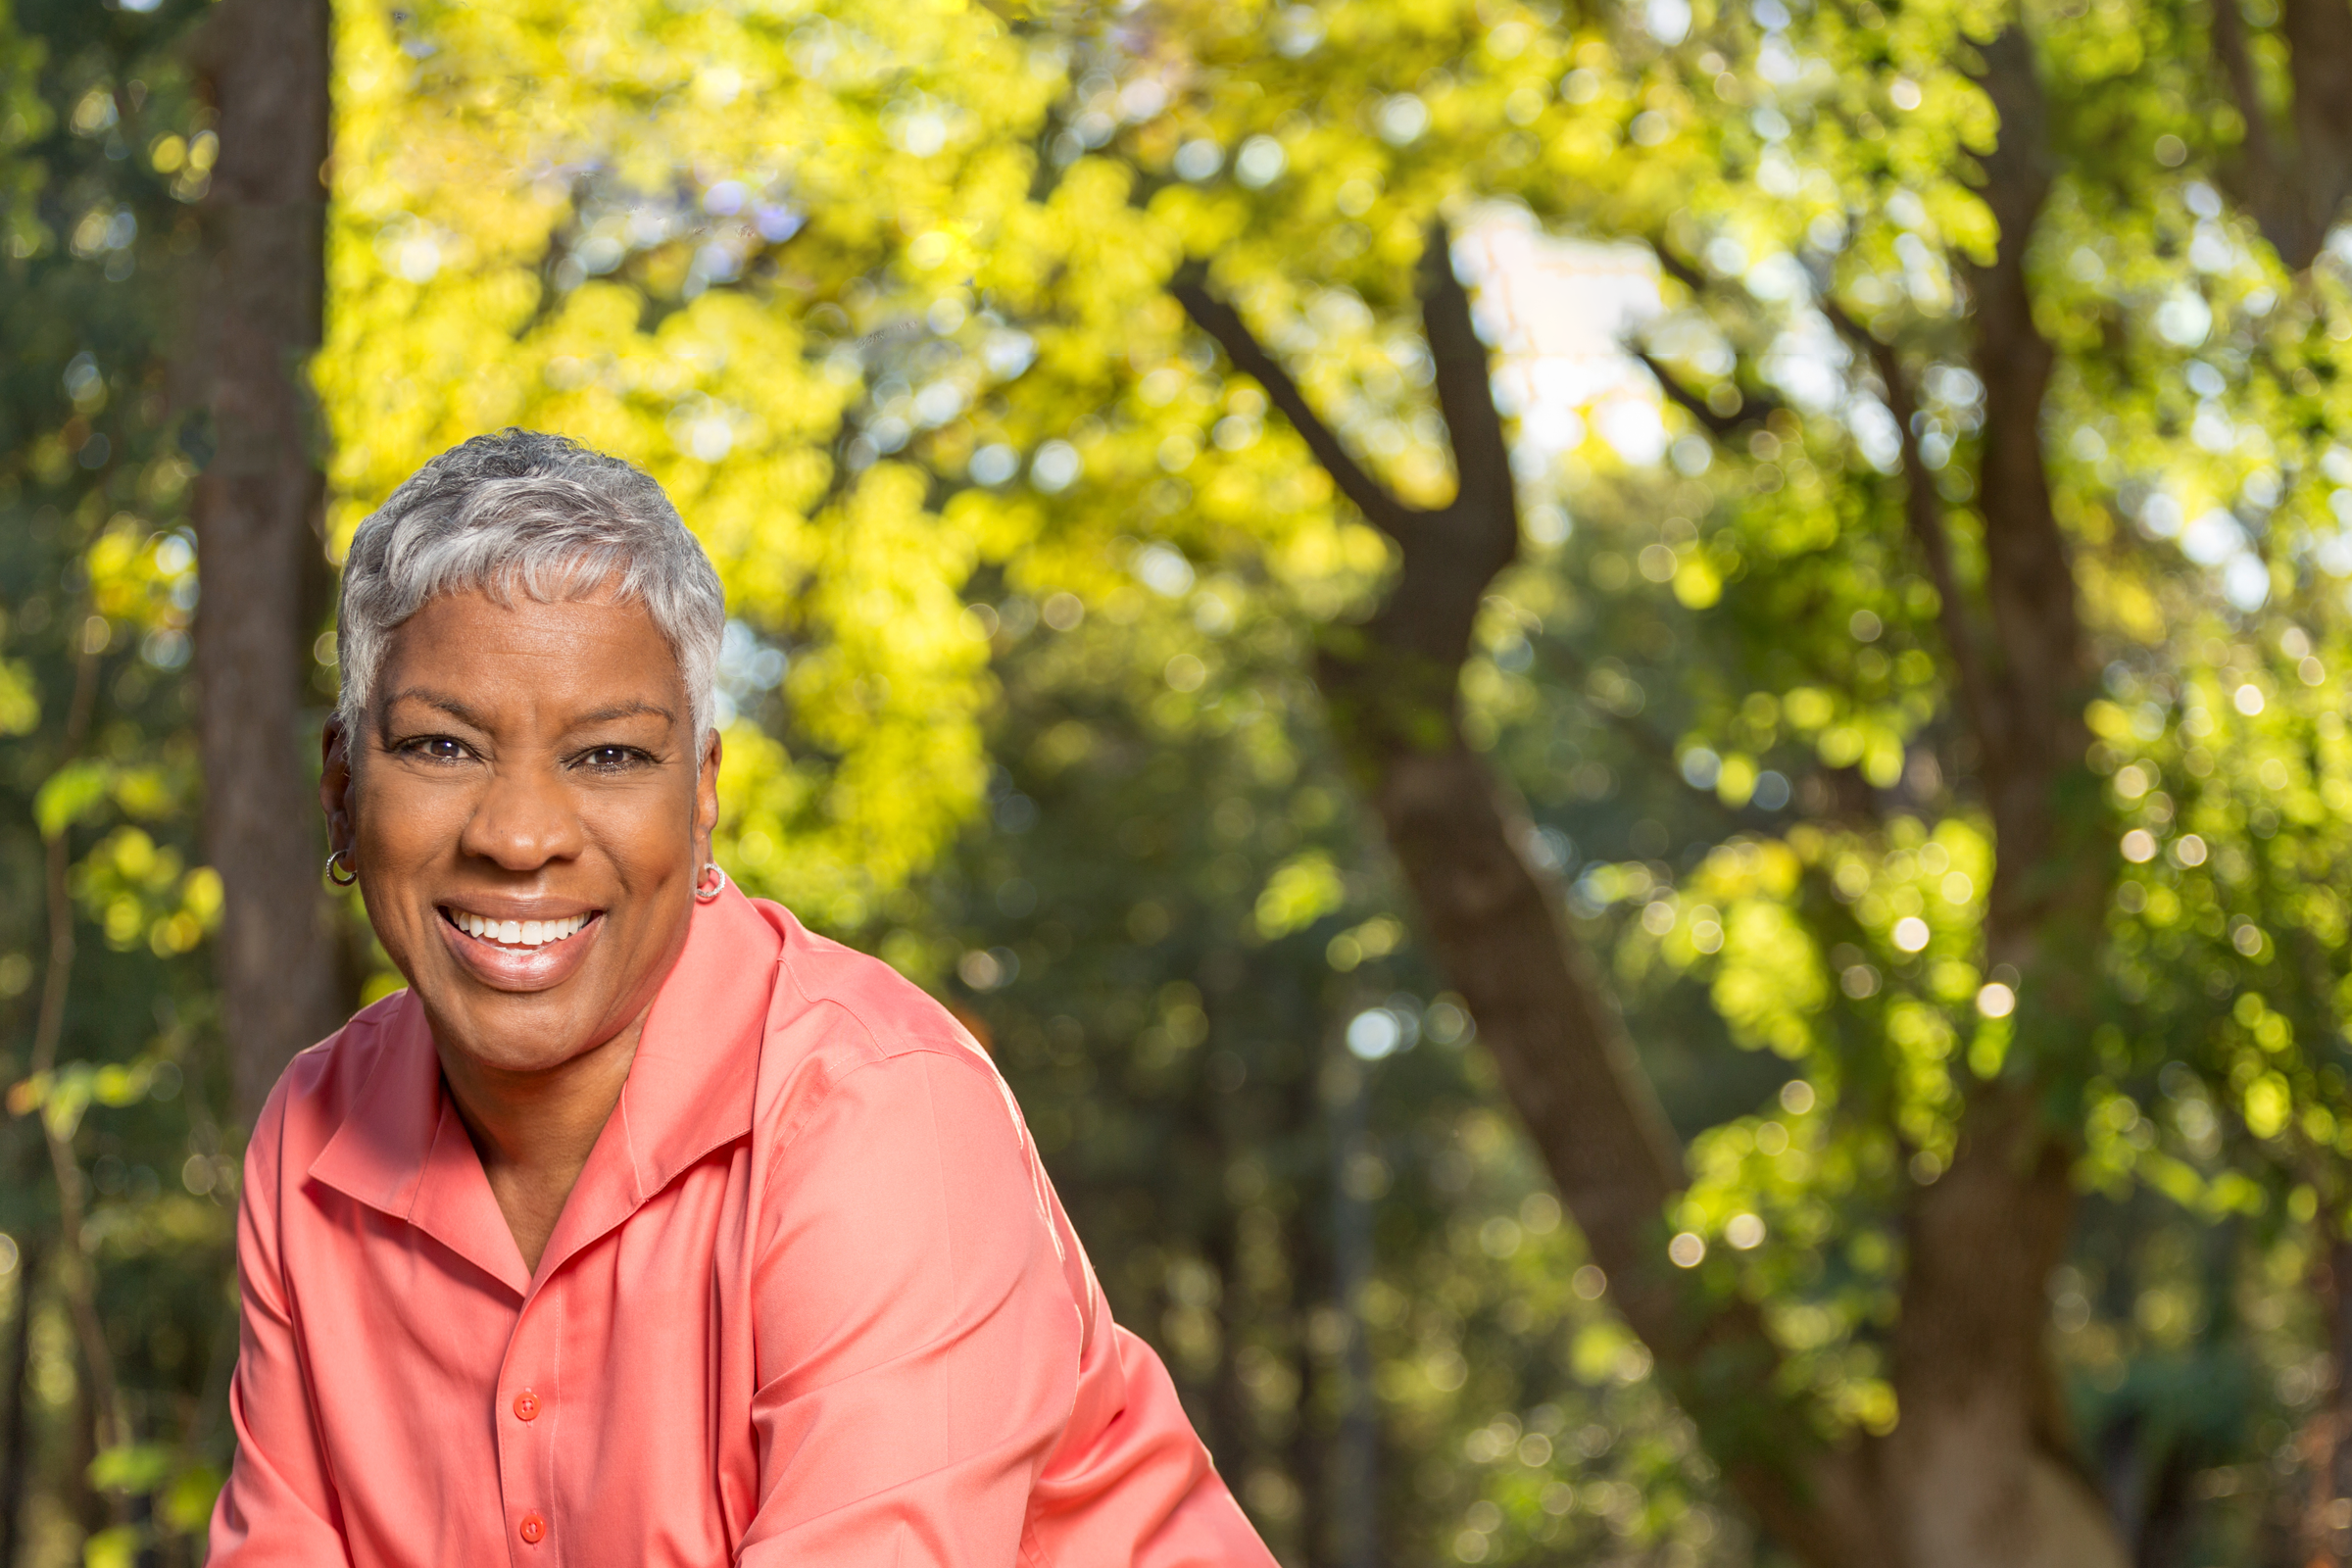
517,933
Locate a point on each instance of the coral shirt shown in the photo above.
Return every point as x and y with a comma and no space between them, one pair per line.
812,1302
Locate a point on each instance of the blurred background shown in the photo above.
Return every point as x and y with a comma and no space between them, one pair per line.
1627,720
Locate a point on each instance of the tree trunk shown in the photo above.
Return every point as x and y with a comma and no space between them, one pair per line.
1229,1431
2326,1523
264,64
1355,1451
16,1477
1975,1474
1306,1251
2293,179
1982,1452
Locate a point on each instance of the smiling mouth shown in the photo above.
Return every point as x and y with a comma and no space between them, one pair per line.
520,935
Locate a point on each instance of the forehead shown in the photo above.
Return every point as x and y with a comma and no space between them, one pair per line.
537,658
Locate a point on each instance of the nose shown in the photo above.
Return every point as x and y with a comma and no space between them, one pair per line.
525,819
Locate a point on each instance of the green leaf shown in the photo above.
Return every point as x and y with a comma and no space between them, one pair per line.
117,1547
132,1467
66,1096
188,1503
116,1085
69,795
20,699
1299,893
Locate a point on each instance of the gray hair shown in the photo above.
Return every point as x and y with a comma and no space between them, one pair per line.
541,512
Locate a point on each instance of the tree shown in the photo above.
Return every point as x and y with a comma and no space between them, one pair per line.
1979,1467
1978,1490
1883,811
112,1279
1883,587
262,65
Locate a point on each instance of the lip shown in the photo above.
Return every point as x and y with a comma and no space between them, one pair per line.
505,968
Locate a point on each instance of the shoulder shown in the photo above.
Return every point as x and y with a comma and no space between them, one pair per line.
320,1086
868,1011
841,1016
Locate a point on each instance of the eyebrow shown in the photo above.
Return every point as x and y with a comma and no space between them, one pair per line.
431,699
458,709
606,716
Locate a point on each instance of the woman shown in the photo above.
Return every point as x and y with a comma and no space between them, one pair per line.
646,1227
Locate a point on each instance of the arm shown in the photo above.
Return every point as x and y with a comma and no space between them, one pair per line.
919,1344
278,1507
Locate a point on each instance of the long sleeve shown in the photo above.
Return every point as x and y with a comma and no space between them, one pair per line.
917,1343
278,1507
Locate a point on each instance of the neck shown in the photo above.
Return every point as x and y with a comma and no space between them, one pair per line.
534,1131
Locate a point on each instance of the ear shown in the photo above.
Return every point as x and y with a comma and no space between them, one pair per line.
705,796
337,791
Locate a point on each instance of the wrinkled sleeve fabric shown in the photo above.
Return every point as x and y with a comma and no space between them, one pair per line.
278,1507
917,1341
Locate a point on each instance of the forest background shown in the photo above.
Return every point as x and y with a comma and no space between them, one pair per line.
1760,978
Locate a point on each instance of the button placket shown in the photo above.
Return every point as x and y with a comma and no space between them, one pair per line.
526,1471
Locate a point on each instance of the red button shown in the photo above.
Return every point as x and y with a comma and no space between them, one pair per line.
534,1529
526,1407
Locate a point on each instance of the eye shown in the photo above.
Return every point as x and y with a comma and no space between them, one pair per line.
433,749
611,759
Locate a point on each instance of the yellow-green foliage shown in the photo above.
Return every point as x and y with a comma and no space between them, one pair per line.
477,144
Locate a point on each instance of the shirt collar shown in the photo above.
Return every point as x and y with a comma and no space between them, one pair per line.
401,1147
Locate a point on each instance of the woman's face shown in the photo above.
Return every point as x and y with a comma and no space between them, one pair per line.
527,811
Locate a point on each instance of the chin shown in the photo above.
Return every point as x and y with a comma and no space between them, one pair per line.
513,1034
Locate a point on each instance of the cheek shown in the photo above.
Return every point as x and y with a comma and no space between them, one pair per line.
408,829
651,854
650,834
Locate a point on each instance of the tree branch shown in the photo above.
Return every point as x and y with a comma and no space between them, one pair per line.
1722,426
1220,320
1923,511
1675,267
1451,552
1481,456
1754,408
76,1274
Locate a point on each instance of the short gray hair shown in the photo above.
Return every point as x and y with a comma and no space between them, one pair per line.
537,511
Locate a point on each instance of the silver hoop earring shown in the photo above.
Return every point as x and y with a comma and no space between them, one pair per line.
703,894
347,875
